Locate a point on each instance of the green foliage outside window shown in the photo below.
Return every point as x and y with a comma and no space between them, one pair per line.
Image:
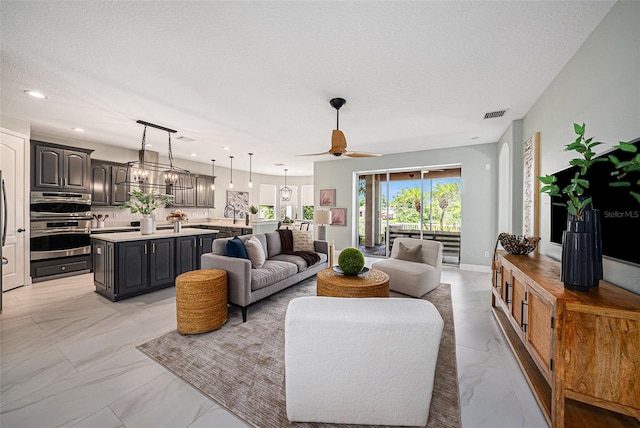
307,212
266,212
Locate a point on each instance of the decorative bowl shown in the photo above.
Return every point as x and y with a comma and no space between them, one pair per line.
518,244
362,272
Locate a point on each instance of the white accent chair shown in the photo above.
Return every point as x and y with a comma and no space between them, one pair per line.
409,277
361,361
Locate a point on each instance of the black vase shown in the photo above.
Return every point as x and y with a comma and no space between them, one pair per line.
581,266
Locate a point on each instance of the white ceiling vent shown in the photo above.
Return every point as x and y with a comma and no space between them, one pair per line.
494,114
185,139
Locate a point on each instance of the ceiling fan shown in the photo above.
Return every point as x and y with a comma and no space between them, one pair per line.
338,142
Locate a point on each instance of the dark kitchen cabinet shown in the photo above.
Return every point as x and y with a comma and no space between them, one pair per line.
161,263
184,197
204,192
131,270
100,183
206,244
62,168
127,269
119,189
189,249
104,188
103,255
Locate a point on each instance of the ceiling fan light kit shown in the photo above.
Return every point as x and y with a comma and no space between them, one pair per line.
338,140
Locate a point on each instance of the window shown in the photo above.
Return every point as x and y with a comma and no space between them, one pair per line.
267,201
307,202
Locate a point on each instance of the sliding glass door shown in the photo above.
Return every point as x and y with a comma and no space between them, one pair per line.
423,203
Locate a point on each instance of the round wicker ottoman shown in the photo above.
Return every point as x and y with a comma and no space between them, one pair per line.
374,283
201,300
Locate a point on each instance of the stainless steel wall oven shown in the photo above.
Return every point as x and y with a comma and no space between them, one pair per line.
60,234
56,205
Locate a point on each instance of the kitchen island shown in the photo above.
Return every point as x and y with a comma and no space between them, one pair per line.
127,264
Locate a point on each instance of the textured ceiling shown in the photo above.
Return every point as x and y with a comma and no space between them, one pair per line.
258,76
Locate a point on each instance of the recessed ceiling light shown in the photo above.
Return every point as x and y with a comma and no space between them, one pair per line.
78,129
226,148
475,138
148,145
192,154
35,94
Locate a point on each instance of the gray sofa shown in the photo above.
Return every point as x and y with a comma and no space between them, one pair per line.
247,285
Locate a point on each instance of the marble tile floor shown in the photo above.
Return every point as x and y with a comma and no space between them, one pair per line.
68,358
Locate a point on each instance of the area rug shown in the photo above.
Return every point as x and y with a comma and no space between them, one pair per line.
241,366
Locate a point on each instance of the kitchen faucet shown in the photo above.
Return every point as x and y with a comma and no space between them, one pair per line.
232,209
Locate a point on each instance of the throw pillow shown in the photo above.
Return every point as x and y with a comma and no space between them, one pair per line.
255,252
235,248
303,240
410,254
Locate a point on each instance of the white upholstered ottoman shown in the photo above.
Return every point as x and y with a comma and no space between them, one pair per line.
361,361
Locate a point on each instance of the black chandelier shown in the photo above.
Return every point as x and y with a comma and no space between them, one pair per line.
149,175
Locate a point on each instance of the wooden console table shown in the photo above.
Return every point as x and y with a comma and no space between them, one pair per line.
580,351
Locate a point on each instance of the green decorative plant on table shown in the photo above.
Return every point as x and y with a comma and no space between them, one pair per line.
351,261
582,241
145,204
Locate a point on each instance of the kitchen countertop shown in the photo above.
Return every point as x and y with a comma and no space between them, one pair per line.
137,236
215,223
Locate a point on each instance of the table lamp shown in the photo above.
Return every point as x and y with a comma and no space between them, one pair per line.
321,218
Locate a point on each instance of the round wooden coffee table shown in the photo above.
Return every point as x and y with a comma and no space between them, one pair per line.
374,283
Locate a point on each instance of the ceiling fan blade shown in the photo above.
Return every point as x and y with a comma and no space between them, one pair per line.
361,154
316,154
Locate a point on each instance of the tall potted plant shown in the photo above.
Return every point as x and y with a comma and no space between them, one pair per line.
145,204
581,266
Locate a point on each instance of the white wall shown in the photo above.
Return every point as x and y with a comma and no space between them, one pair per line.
600,86
479,194
19,126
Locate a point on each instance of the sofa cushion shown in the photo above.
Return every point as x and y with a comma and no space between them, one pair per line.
255,252
302,240
298,261
410,254
235,248
271,272
274,246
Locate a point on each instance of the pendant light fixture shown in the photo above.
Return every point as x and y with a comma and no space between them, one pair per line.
250,182
285,192
148,175
170,175
140,174
231,177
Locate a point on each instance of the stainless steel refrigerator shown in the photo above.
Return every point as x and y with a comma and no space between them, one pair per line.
3,230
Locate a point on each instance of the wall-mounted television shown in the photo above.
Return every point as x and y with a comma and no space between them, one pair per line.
619,211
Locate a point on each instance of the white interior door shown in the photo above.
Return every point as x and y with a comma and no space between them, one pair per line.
12,164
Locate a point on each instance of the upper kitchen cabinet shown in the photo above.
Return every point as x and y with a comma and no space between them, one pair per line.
185,194
104,190
56,167
204,192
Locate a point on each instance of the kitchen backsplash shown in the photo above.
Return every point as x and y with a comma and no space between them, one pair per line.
118,217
